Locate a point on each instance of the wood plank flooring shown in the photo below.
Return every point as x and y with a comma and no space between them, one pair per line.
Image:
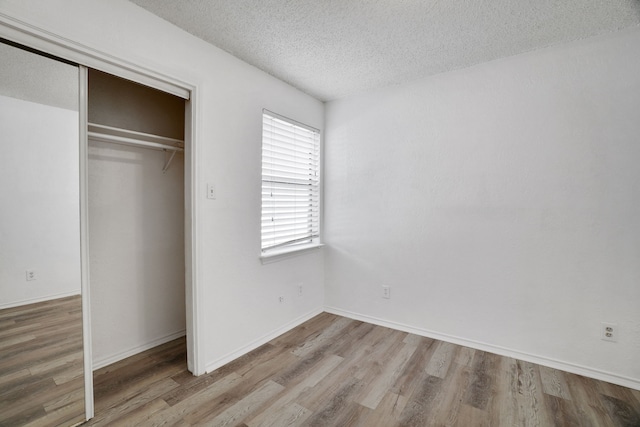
333,371
41,369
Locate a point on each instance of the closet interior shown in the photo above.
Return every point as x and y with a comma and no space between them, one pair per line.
136,217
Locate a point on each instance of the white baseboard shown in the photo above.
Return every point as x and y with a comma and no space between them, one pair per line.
533,358
260,341
106,361
39,299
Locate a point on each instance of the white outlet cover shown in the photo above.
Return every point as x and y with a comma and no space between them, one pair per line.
386,292
609,332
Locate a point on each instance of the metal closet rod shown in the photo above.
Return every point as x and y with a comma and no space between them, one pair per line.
106,134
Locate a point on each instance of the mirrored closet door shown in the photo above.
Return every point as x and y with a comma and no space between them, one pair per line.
41,344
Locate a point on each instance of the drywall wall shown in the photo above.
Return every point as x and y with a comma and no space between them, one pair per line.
39,222
499,202
136,223
239,296
136,241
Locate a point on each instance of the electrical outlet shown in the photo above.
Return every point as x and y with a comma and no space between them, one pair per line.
386,292
300,290
609,332
31,275
281,299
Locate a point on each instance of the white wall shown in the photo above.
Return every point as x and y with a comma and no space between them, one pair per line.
38,188
136,244
239,295
39,216
501,203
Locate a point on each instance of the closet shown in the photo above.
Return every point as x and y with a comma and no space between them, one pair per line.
136,218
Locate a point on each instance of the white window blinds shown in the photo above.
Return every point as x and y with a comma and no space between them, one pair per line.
290,182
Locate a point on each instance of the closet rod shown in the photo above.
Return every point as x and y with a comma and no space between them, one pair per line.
130,141
106,134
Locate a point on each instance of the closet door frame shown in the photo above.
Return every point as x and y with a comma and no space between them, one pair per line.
87,57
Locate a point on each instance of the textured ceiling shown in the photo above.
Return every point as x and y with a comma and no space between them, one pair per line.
334,48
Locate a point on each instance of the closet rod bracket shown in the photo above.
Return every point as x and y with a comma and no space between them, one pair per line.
167,163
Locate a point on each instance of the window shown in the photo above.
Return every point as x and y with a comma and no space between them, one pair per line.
290,183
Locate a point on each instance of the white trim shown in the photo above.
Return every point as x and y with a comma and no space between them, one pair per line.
83,177
261,341
195,363
502,351
39,299
29,35
287,252
106,361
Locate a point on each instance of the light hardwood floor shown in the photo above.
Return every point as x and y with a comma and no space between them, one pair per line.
333,371
41,370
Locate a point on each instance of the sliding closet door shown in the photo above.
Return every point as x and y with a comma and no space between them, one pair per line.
41,355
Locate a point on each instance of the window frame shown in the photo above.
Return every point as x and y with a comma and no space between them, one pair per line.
314,239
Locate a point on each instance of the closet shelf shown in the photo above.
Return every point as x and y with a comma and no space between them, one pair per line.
120,136
129,137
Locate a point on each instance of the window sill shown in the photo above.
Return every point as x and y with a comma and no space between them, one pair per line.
289,252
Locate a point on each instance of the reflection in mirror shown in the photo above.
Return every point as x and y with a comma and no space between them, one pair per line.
41,366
